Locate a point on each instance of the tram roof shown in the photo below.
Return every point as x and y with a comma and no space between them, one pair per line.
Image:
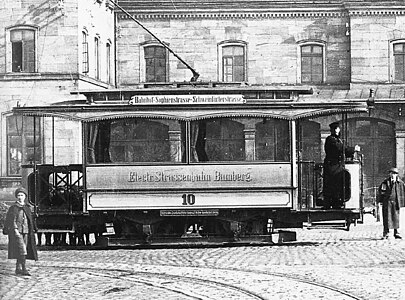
248,101
287,110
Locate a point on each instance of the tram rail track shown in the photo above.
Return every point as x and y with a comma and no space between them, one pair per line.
185,286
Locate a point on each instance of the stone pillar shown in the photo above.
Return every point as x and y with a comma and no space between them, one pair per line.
250,143
250,137
175,145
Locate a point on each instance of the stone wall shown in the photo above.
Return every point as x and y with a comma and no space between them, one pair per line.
272,46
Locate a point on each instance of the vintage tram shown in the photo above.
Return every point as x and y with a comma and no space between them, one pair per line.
183,163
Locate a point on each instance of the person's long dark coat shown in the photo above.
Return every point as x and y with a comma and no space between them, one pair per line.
334,171
13,249
392,197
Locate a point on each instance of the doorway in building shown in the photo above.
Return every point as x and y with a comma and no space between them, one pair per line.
377,141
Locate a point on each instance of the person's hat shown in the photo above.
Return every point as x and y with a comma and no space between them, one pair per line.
20,190
334,125
394,170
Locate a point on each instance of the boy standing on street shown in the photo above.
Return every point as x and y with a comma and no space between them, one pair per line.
20,228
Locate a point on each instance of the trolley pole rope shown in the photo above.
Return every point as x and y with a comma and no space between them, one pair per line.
195,73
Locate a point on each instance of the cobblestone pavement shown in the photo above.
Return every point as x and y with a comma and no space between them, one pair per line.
324,263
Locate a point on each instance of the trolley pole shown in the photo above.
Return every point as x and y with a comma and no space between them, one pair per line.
195,73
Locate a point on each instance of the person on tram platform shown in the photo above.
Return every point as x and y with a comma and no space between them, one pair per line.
20,228
336,180
391,195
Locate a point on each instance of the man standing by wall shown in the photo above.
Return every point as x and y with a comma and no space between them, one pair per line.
391,194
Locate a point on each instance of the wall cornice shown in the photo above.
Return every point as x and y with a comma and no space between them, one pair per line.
258,9
237,14
357,12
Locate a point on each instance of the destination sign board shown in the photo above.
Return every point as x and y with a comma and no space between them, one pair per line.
186,99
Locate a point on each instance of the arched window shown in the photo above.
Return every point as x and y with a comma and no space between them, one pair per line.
155,63
312,62
108,62
22,45
85,53
97,57
398,60
232,61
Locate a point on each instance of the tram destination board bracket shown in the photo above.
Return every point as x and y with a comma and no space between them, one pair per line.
189,212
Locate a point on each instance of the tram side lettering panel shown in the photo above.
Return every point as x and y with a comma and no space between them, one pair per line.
192,186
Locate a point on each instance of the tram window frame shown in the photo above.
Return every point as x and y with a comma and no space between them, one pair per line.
135,133
228,140
252,150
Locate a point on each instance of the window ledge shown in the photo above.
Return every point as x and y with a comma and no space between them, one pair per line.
37,76
10,181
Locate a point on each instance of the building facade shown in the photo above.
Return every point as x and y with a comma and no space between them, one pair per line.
49,49
340,49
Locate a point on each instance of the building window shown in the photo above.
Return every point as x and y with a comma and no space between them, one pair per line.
85,53
399,61
233,62
21,146
155,64
312,63
97,57
108,62
22,50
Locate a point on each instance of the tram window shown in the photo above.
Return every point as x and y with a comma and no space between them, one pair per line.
217,140
240,139
135,141
272,140
310,141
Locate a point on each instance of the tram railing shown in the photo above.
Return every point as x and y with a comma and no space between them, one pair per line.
57,189
309,183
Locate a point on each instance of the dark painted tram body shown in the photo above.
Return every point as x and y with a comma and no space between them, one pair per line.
200,162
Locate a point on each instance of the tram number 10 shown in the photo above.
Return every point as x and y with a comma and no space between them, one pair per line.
188,199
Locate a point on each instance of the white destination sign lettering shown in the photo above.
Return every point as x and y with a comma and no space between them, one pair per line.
186,99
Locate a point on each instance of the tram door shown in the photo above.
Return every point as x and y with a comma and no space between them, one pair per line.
377,141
